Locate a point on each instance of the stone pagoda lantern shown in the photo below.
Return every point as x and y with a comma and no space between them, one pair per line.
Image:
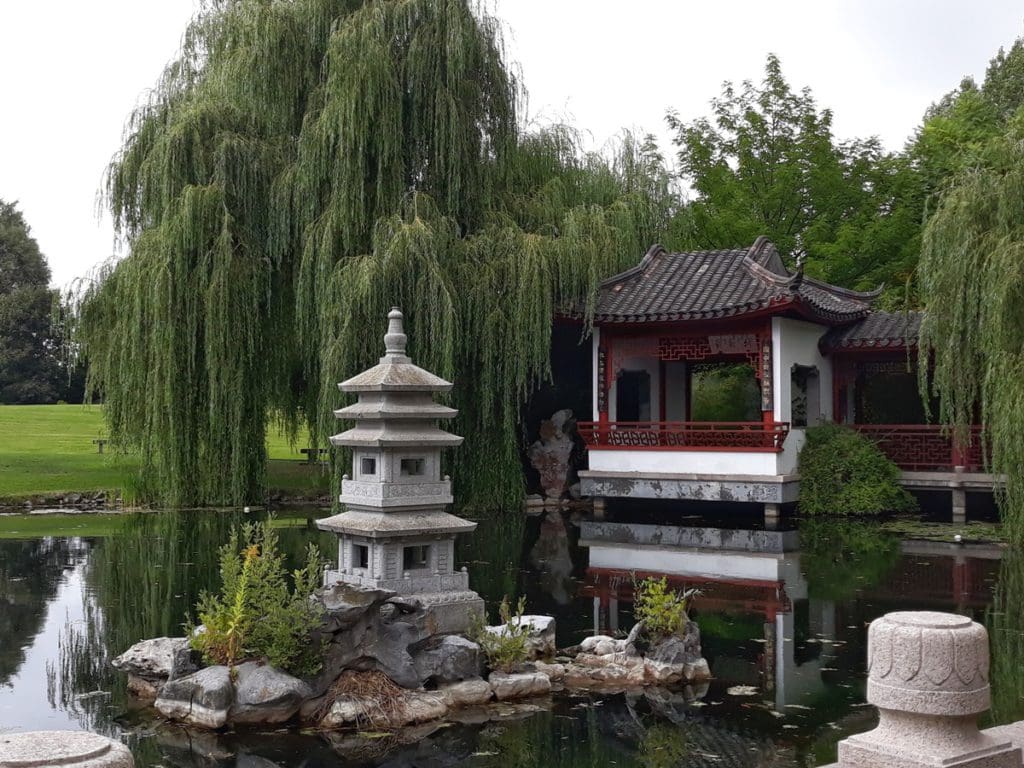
395,533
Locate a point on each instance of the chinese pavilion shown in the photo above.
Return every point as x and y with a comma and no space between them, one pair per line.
819,353
395,533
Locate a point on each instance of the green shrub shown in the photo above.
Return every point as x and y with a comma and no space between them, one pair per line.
507,648
844,473
661,609
256,615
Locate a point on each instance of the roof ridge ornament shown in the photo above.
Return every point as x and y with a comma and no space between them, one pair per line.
395,339
798,277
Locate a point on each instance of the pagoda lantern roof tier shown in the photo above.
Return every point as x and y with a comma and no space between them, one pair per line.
388,525
394,375
382,434
395,409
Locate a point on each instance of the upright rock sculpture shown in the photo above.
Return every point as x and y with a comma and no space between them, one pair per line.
395,534
928,676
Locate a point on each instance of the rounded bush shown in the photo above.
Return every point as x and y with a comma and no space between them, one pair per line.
844,473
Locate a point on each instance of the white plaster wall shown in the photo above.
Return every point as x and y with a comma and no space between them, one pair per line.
636,364
675,391
796,342
692,562
685,462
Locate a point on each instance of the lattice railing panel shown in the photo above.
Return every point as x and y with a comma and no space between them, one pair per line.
685,435
924,447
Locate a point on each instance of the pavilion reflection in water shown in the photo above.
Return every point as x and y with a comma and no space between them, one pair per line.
759,574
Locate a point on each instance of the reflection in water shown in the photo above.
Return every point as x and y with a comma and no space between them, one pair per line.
842,557
782,615
1005,623
551,558
30,575
493,554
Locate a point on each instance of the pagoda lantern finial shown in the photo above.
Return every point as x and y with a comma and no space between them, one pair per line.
395,339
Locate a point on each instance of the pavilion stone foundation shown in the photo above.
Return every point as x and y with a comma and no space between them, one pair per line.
928,676
395,533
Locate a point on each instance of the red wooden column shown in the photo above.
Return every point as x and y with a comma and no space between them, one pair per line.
764,364
838,387
604,374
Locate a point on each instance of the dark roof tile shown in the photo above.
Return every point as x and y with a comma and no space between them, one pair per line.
879,330
700,285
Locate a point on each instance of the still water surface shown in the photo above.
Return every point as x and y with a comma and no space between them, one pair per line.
783,617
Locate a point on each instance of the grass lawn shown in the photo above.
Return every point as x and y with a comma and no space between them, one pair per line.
46,450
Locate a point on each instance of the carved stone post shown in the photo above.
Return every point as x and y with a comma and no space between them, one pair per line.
928,676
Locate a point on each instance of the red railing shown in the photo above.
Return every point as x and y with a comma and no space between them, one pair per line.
924,447
684,435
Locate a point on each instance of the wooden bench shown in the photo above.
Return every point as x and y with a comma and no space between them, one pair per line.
99,442
314,454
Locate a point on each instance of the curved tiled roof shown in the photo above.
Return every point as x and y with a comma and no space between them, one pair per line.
878,330
702,285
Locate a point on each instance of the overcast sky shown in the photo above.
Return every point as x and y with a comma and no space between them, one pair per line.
73,70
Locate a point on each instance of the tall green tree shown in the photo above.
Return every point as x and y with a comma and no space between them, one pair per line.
30,359
301,167
973,285
766,162
970,150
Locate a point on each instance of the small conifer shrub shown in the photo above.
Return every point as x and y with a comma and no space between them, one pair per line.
256,614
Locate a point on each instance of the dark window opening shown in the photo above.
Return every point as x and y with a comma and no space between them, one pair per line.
805,396
368,466
411,467
416,558
360,556
633,396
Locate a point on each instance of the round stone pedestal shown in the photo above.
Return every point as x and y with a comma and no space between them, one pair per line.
69,749
928,676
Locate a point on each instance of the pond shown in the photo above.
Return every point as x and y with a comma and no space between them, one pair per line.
783,616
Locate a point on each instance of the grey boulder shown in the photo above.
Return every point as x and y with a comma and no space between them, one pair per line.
676,649
519,686
447,659
264,694
151,658
203,698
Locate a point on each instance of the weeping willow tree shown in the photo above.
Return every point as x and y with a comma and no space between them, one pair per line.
304,165
972,276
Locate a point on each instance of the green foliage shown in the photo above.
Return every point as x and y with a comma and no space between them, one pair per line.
298,170
766,163
725,393
507,648
844,473
1005,623
255,614
661,609
973,285
31,369
842,556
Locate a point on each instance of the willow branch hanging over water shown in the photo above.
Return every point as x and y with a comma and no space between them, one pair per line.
300,168
972,275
